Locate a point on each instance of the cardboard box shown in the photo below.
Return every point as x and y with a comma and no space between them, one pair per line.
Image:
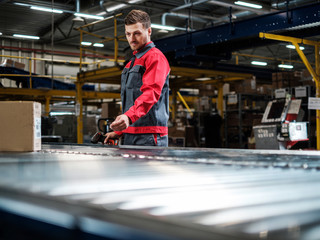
20,126
11,63
110,110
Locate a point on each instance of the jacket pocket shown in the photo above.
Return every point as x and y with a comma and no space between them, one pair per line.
135,77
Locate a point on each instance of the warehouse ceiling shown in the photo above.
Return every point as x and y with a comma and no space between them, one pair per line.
21,17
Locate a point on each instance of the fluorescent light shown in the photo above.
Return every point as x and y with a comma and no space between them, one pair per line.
98,45
285,66
86,43
293,47
259,63
26,36
60,113
88,16
134,1
158,26
21,4
101,13
245,4
203,79
46,9
116,7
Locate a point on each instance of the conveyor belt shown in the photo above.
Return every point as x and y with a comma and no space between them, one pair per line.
92,192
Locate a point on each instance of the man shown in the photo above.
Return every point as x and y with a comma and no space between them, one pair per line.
144,88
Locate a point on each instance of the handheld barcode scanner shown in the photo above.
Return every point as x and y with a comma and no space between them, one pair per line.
104,127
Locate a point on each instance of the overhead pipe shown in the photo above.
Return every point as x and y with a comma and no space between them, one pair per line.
180,15
188,5
291,3
78,6
234,6
163,18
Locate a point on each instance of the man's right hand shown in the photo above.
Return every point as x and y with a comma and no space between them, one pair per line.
121,123
110,135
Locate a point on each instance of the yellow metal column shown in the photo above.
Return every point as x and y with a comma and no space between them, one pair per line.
174,104
30,72
317,61
78,110
48,98
184,103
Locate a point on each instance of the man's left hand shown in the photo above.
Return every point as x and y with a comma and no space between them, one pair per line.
121,123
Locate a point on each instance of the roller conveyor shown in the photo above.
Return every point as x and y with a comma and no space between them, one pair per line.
93,192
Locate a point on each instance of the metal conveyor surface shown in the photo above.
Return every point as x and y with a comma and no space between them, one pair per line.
92,192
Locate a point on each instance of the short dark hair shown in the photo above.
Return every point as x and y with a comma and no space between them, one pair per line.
138,16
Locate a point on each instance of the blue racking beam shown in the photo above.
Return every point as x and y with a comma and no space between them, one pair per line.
281,20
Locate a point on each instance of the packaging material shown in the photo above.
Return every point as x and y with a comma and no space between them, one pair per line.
206,90
306,78
110,110
264,89
20,127
285,79
11,63
245,86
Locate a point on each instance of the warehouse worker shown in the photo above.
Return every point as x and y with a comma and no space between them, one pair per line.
144,88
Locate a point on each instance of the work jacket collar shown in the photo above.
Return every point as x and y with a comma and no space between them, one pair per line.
144,50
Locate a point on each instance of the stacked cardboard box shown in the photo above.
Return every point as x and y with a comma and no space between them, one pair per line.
306,78
20,127
11,63
248,86
206,90
285,79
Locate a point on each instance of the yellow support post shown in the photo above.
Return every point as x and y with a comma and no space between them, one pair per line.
78,110
185,103
48,98
317,61
30,72
174,104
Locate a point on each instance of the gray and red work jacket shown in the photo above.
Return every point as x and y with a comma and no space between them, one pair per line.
145,92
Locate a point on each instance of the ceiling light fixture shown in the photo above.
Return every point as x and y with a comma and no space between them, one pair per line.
245,4
98,45
26,36
86,43
134,1
259,63
293,47
84,15
101,13
203,79
46,9
164,27
0,33
21,4
116,7
285,66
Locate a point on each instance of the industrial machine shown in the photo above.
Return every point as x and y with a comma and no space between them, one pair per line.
92,192
282,125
